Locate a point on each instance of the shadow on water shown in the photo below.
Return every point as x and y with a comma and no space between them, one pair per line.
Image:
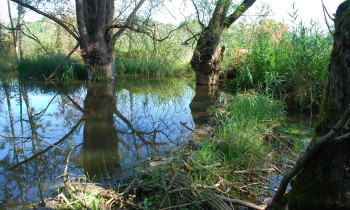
109,127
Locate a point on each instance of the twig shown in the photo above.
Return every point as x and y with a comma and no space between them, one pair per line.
252,171
66,167
238,188
240,202
61,195
277,169
131,185
35,138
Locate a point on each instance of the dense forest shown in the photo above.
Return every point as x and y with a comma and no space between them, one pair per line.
274,95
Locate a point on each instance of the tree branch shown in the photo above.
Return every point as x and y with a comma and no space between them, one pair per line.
308,155
192,37
127,23
238,12
63,62
325,17
59,22
197,12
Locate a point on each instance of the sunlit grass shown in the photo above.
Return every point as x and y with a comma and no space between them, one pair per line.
40,67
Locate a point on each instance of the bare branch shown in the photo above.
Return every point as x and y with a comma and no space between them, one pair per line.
127,23
51,17
325,18
63,62
48,148
36,39
199,21
239,202
192,37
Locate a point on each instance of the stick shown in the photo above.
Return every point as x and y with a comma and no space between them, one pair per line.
65,200
63,62
66,167
240,202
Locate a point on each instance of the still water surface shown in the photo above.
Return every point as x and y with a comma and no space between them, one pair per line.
109,127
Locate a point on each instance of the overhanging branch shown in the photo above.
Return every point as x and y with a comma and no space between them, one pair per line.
59,22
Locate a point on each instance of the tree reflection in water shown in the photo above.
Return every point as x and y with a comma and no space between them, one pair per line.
100,147
205,96
108,127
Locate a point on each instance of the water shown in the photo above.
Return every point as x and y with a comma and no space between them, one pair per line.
109,127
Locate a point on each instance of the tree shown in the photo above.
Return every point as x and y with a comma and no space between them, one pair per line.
207,56
323,172
96,35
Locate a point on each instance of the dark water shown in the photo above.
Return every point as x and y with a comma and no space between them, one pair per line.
109,127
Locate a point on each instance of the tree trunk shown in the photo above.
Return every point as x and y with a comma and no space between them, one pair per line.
324,183
207,57
96,43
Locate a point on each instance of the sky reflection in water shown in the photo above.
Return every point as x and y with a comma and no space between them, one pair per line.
108,127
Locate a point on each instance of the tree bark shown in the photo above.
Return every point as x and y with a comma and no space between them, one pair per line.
324,182
207,57
93,17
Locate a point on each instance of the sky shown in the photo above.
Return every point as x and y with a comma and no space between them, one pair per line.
307,10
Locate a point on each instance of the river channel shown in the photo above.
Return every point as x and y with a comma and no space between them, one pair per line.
108,127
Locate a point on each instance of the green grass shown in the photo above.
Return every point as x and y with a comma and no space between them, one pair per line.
238,143
40,67
289,63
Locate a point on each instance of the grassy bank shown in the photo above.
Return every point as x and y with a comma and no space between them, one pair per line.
41,67
229,161
289,62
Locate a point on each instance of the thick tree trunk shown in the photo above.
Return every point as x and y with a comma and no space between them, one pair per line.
96,43
207,57
324,183
99,61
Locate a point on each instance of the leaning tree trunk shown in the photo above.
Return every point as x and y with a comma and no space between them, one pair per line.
324,183
207,57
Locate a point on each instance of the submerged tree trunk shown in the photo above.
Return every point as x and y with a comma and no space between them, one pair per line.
324,183
207,57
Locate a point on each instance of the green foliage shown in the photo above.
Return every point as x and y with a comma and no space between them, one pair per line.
138,54
41,67
288,63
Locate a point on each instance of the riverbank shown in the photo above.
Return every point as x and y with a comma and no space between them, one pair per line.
249,143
